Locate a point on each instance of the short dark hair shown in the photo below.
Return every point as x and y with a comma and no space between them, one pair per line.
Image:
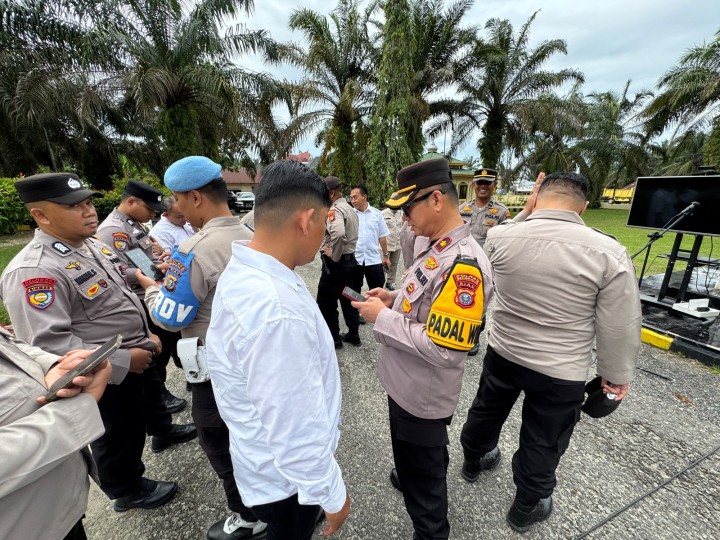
216,191
449,189
287,186
361,187
566,183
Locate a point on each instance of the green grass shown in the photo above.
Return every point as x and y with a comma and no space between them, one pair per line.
6,254
613,222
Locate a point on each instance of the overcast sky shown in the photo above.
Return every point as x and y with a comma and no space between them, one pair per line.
610,41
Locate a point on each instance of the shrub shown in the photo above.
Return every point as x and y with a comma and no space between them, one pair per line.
12,210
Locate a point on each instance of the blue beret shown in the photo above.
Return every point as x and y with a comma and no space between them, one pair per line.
192,172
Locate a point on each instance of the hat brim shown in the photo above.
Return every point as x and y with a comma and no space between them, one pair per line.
75,196
597,403
485,179
157,206
404,196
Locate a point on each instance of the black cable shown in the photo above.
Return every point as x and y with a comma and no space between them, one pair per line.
645,495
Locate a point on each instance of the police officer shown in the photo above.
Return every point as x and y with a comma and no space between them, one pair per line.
425,329
123,230
338,264
184,302
483,212
66,290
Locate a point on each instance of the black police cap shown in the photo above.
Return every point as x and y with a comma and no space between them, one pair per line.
488,175
63,188
415,177
332,182
146,193
598,404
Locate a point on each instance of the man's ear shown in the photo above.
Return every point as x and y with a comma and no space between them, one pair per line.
580,213
39,216
303,219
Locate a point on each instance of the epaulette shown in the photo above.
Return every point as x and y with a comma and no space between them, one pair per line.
188,245
605,234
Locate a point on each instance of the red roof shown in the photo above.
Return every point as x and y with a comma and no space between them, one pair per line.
240,177
302,157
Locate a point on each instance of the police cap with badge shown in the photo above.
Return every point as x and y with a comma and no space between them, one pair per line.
485,175
413,178
59,187
146,193
598,403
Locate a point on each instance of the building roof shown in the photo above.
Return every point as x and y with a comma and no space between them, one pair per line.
302,157
240,177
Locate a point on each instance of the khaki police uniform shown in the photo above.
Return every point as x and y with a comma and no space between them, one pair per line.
484,218
394,222
44,460
560,288
60,298
184,302
123,233
337,270
423,379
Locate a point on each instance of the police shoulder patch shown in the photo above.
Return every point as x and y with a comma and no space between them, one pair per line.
40,291
331,216
120,241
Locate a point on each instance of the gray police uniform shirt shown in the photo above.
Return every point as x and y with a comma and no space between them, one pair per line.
184,302
61,298
121,233
43,455
483,218
559,286
341,229
422,377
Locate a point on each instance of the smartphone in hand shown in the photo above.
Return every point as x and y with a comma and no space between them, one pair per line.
84,367
353,295
138,257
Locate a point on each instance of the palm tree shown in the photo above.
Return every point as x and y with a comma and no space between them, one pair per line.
689,93
498,84
339,63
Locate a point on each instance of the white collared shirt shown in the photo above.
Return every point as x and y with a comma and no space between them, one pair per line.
276,382
372,229
170,235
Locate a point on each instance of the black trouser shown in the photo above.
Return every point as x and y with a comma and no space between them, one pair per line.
169,344
288,519
334,278
158,421
118,452
77,532
374,274
550,410
421,458
214,439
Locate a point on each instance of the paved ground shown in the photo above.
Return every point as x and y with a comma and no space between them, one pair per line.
669,421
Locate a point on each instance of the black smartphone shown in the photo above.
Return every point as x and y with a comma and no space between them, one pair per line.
352,294
138,257
84,367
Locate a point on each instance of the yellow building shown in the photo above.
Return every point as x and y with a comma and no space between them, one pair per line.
462,174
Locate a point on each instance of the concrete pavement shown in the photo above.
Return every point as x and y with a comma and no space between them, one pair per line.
670,419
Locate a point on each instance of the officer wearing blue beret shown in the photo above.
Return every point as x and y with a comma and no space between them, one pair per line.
184,302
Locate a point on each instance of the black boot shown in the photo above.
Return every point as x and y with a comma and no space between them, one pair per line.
472,468
352,337
521,516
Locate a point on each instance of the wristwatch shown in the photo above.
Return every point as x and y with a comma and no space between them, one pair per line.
386,254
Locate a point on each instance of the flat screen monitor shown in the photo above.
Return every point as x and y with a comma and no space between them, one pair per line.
658,199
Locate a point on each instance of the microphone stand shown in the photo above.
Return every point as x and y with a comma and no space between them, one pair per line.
654,237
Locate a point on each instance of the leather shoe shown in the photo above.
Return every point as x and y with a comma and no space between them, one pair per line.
361,320
236,528
474,350
338,343
472,468
174,404
178,434
520,516
395,479
352,339
151,494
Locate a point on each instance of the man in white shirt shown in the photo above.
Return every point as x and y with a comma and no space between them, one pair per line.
173,228
280,398
371,252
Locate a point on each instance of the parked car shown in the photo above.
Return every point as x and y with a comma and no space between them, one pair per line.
245,201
